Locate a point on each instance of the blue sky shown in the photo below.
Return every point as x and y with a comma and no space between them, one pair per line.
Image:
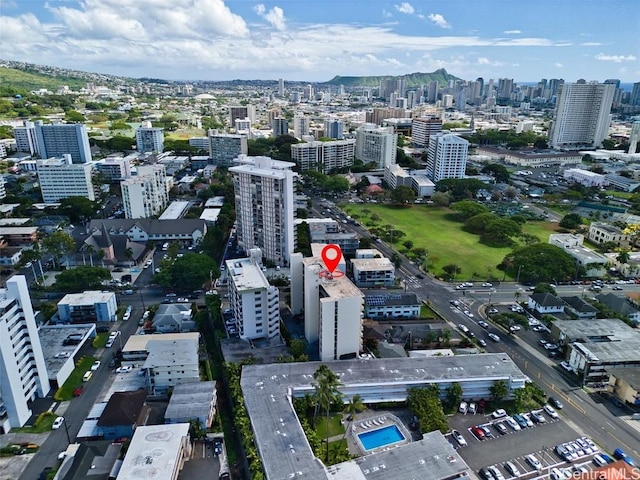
314,40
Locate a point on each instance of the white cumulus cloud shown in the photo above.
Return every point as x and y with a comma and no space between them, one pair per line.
275,16
558,64
615,58
405,7
439,20
512,32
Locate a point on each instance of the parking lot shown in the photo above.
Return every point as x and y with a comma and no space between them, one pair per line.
487,446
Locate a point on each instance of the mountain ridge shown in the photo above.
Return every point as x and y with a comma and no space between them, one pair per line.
415,79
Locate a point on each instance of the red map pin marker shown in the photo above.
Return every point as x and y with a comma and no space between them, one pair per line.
331,255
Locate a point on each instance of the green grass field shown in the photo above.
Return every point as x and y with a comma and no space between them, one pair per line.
436,229
66,391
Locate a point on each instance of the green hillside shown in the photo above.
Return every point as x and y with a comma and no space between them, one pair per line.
12,79
413,79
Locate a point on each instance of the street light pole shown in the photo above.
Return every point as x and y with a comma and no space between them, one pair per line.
66,429
518,277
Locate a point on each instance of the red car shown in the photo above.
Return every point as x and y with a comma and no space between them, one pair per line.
78,391
478,432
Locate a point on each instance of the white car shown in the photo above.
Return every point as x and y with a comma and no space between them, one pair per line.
487,285
463,407
472,408
494,337
497,474
512,469
124,369
57,423
459,438
499,413
96,365
533,461
512,423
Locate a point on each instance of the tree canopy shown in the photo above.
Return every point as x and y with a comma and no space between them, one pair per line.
78,209
571,220
460,188
468,208
499,172
540,262
425,404
82,277
402,195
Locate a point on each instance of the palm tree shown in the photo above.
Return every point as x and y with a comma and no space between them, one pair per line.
90,251
128,253
352,408
326,393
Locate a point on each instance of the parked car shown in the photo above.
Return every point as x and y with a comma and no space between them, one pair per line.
500,427
463,407
459,438
549,410
499,413
497,474
124,369
536,416
521,420
512,423
512,469
533,461
472,408
87,376
478,432
486,474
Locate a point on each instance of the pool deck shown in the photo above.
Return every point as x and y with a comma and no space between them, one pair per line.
373,423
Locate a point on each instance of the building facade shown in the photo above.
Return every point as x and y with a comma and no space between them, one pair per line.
26,138
447,157
323,156
280,126
422,129
88,307
582,115
60,139
334,128
60,178
145,195
23,372
149,139
254,303
226,147
264,199
376,145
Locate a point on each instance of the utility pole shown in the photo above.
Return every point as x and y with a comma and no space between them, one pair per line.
518,277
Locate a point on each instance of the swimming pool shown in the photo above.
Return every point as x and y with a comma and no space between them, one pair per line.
381,437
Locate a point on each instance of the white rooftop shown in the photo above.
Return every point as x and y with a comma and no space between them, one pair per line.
90,297
246,275
154,452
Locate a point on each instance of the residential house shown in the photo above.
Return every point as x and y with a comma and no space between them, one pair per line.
124,412
580,307
545,303
192,401
95,460
174,318
626,384
620,305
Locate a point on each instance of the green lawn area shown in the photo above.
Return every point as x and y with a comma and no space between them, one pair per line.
43,424
335,427
616,193
101,340
66,391
436,229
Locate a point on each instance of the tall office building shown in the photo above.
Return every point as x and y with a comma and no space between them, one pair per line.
334,128
635,95
281,87
264,206
60,139
146,194
280,126
582,115
241,112
446,157
26,138
376,145
149,139
254,302
634,138
423,128
333,308
301,126
23,372
60,178
324,156
226,147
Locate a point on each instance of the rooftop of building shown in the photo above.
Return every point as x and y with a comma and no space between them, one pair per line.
167,354
123,408
52,338
90,460
89,297
605,340
607,227
579,304
149,225
174,210
246,275
137,343
372,264
546,299
282,444
191,400
214,202
387,299
629,375
153,452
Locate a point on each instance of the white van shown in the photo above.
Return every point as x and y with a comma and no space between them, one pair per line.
87,376
165,246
